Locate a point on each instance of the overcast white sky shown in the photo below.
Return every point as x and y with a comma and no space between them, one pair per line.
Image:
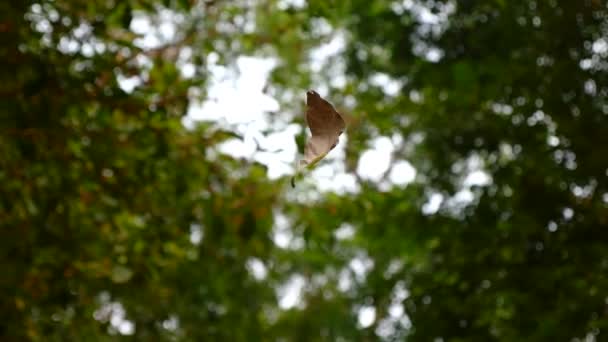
238,100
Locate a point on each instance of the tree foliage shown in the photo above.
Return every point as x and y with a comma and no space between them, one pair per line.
117,221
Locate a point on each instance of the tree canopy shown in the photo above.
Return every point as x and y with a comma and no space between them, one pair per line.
120,221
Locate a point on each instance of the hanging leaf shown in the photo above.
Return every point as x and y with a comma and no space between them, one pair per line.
325,125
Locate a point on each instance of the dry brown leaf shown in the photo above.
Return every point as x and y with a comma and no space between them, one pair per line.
325,124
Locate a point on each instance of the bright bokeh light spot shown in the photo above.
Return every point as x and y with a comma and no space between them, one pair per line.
396,310
433,204
115,313
257,268
125,327
360,266
402,173
463,196
568,213
128,84
196,234
157,33
477,178
344,232
141,24
366,316
329,177
389,86
320,55
291,293
345,280
239,148
600,46
282,234
285,4
171,324
374,162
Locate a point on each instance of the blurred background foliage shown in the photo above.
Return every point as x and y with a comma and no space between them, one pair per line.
119,222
